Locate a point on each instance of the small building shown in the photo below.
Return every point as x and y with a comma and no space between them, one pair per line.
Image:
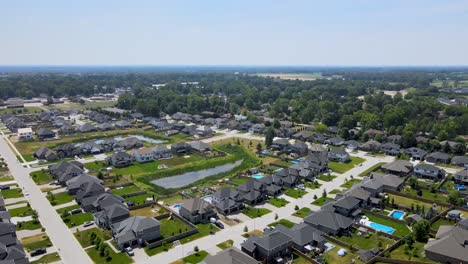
181,148
24,133
143,155
161,152
371,146
398,167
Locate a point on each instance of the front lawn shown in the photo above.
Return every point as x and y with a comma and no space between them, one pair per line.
278,202
417,253
126,190
21,211
28,225
400,228
117,258
350,183
88,237
172,227
59,198
303,212
37,241
371,169
312,185
284,222
77,219
203,230
255,212
41,177
340,167
326,177
295,193
367,241
321,201
225,244
67,209
196,257
49,258
12,193
334,191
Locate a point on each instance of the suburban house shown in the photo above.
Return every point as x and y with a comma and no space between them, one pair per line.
370,146
227,201
203,131
197,210
416,153
379,182
122,124
314,148
449,245
161,152
67,150
391,149
461,161
143,155
352,144
304,135
280,144
111,215
65,171
88,190
372,133
461,177
398,167
45,133
90,147
74,184
335,141
329,222
181,148
128,143
86,128
272,189
357,192
270,248
438,157
106,126
103,201
347,206
396,139
257,129
11,249
252,192
299,148
428,171
230,255
303,236
120,159
24,133
135,230
339,155
45,154
200,146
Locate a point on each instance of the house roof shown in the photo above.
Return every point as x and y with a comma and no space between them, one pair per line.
199,145
347,202
450,241
427,167
128,229
197,205
230,255
402,166
225,194
329,219
383,180
439,155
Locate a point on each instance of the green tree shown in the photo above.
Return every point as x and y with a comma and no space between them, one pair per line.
421,231
269,135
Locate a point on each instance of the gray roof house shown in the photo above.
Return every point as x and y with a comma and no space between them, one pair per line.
200,146
335,141
11,250
339,155
74,184
461,161
111,215
88,190
299,148
65,171
379,182
197,210
135,230
438,157
86,127
230,255
181,148
120,159
329,222
45,154
449,246
416,153
161,152
280,144
391,149
398,167
428,171
227,201
269,248
461,177
371,146
347,206
45,133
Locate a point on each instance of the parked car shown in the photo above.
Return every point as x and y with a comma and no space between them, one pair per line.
26,193
130,203
74,211
219,224
4,187
88,223
129,251
38,252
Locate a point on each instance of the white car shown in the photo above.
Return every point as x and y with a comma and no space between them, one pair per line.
129,251
88,223
26,193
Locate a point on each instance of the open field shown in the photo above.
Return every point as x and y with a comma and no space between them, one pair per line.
25,110
86,105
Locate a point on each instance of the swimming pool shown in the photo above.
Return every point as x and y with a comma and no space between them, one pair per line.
265,152
460,187
397,214
208,198
380,227
177,206
258,175
295,161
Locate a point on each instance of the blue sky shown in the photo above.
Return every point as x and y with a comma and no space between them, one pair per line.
209,32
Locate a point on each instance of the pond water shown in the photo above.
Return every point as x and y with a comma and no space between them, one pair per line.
141,138
187,178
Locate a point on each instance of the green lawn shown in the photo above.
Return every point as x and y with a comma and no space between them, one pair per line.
240,181
174,226
48,258
28,225
371,169
203,230
77,219
225,244
303,212
332,256
66,209
37,241
195,257
366,242
255,212
295,193
426,194
278,202
157,250
417,253
440,222
21,211
326,177
117,258
139,199
407,202
12,193
334,191
400,229
312,185
284,222
350,183
60,198
126,190
340,167
321,201
85,238
41,177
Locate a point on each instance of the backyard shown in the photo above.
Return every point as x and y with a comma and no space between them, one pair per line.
367,241
400,228
416,253
408,202
332,256
173,226
117,258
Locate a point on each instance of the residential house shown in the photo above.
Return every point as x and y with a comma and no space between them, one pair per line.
200,146
86,128
161,152
67,151
452,144
45,154
329,222
106,126
227,201
371,146
24,133
438,157
335,141
67,129
428,171
257,129
90,147
357,192
12,252
303,236
299,148
204,131
65,171
416,153
111,215
271,189
461,161
135,231
395,139
339,155
304,135
123,124
270,248
398,167
89,190
45,133
197,210
450,245
378,183
181,148
120,159
252,192
347,206
280,144
230,255
245,125
391,149
372,133
461,177
128,143
143,155
314,148
352,144
75,183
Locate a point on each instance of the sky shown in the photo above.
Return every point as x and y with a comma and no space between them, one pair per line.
240,32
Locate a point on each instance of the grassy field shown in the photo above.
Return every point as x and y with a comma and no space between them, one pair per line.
321,201
12,193
295,193
278,202
37,241
28,225
48,258
174,226
303,212
148,211
225,244
84,236
60,198
440,222
41,177
371,169
284,222
326,177
426,194
126,190
139,199
25,110
340,167
240,180
203,230
407,202
86,105
350,183
400,228
366,242
21,211
117,258
255,212
415,254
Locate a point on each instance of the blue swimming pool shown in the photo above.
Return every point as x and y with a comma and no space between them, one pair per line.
208,198
460,187
258,175
177,206
265,152
383,228
397,214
